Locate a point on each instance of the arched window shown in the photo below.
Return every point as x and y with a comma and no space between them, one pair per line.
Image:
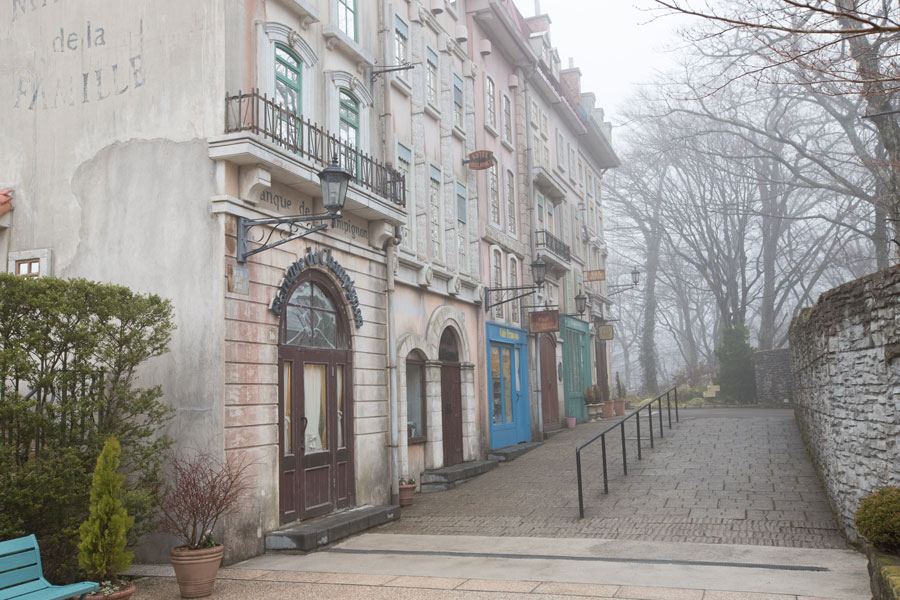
497,277
311,320
415,398
288,70
513,276
511,212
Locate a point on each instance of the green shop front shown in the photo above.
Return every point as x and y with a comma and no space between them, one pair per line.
507,352
576,339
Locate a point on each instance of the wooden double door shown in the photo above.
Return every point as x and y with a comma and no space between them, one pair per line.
315,407
549,389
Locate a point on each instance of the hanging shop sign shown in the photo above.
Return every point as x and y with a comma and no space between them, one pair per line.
544,321
321,258
597,275
480,160
605,332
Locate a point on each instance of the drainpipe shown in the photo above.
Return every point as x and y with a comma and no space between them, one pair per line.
390,247
530,178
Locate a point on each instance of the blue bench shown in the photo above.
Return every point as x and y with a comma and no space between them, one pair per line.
22,577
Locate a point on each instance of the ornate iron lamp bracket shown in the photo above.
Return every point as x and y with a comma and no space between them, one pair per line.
295,231
501,292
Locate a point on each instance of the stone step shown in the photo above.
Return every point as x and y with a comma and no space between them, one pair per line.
448,478
552,432
510,453
321,531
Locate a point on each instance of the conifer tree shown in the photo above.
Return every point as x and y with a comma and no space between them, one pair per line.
103,536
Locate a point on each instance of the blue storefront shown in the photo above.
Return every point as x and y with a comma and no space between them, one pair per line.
507,353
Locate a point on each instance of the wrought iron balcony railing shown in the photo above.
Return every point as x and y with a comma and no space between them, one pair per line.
545,239
256,113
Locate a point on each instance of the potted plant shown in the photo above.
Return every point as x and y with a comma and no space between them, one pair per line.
200,491
407,491
620,397
591,404
103,535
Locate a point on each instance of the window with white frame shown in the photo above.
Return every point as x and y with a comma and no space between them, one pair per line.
535,114
401,43
545,125
539,200
462,230
434,198
511,212
580,172
589,187
507,120
404,165
346,14
560,151
494,195
551,220
431,76
513,281
458,114
490,102
547,155
497,278
571,163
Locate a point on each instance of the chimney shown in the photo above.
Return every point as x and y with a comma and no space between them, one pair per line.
571,63
537,7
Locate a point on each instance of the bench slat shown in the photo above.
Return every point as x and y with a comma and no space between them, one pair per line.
17,561
29,542
59,592
20,590
19,576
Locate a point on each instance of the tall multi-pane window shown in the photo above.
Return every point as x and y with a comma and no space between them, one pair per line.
494,194
287,94
497,278
434,197
540,211
511,212
462,230
348,130
513,282
490,101
551,222
401,43
404,165
346,14
431,76
507,119
458,114
560,150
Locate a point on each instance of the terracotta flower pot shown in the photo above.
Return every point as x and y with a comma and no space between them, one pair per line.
122,594
195,570
607,410
620,407
406,494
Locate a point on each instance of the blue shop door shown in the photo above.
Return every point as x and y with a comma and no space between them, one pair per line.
510,418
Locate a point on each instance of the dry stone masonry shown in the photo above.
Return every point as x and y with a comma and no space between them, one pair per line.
846,352
774,371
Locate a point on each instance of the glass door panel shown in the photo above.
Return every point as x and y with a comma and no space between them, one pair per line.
508,385
339,388
315,407
496,387
286,399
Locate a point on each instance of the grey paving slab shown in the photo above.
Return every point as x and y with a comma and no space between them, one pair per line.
729,476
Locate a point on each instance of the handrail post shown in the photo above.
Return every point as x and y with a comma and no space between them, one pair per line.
659,404
624,459
676,406
605,480
650,421
669,408
638,421
580,495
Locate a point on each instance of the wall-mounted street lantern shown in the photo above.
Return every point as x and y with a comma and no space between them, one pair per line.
635,280
580,303
538,273
335,181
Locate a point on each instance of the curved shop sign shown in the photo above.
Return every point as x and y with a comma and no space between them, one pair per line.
320,258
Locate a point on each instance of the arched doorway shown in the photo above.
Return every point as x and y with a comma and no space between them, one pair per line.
451,398
548,375
315,401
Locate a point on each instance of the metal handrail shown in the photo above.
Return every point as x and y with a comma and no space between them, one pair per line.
260,115
621,424
545,239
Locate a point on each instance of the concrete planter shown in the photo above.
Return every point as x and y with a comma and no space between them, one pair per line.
884,574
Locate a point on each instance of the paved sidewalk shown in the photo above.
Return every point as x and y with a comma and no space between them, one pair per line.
728,476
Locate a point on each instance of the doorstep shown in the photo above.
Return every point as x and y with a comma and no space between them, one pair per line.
321,531
447,478
509,453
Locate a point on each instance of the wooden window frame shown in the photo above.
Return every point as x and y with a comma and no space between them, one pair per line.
27,262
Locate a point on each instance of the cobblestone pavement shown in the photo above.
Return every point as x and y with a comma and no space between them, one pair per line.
729,476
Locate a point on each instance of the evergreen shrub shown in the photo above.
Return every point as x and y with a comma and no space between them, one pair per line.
878,519
69,355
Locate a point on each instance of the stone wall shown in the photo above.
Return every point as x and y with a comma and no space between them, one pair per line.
774,372
847,388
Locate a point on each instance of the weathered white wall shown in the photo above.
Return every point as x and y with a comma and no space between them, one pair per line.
847,388
105,109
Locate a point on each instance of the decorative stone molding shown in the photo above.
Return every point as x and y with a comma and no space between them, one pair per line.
281,33
252,180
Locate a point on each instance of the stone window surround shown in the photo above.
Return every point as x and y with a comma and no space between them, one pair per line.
335,81
272,33
45,256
